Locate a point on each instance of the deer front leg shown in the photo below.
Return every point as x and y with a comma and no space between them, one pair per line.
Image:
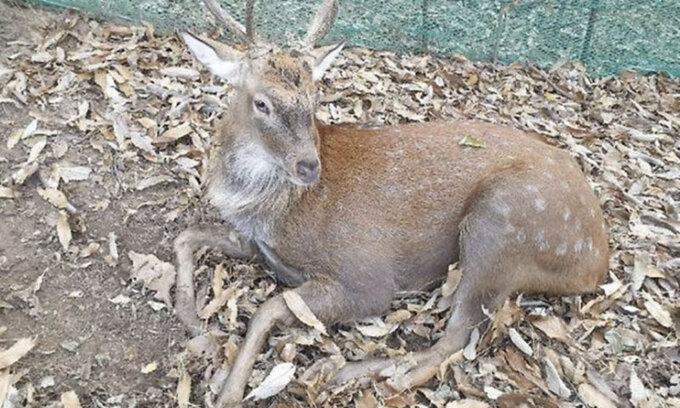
220,237
329,301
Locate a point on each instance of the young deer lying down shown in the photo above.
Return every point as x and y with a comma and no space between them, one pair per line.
348,216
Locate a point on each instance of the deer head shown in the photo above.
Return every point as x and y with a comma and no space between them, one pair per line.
276,96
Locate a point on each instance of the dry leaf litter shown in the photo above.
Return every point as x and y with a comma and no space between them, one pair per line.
122,109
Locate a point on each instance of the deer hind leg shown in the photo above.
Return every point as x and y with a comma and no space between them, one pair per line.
220,237
488,266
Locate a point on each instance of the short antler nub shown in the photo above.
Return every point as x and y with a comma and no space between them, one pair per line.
322,23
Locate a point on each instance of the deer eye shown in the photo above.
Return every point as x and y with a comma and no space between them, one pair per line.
261,106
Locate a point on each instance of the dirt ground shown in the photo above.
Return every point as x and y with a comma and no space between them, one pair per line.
85,342
112,342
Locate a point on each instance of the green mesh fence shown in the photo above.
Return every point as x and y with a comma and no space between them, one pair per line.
606,35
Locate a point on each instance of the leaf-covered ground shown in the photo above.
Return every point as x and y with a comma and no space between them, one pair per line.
104,131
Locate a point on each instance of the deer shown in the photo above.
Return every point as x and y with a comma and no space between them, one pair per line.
348,216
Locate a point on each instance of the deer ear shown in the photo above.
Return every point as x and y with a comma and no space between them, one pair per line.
222,60
323,58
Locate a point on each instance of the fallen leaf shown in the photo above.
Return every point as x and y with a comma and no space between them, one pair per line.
174,134
153,181
142,142
37,148
54,197
70,400
467,403
638,393
7,192
593,398
552,326
16,352
113,246
149,368
14,138
366,399
4,386
554,381
74,173
471,141
181,72
300,309
25,171
375,330
452,280
470,350
70,345
217,302
45,382
658,312
183,389
63,230
155,274
275,382
519,342
30,129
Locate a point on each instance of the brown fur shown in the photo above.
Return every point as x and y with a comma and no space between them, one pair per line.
393,208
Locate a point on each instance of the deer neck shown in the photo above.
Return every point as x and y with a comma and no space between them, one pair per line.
250,191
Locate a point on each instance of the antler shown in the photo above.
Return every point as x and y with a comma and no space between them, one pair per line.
245,35
322,23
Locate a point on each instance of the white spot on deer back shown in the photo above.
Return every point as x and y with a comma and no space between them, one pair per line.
566,214
578,245
561,249
539,203
532,188
500,207
541,242
589,243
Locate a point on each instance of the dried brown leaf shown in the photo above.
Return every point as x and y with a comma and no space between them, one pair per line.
155,274
64,230
519,342
183,389
275,382
54,197
452,280
74,173
7,192
467,403
593,398
658,312
300,309
638,392
552,326
70,400
554,381
16,352
174,134
4,386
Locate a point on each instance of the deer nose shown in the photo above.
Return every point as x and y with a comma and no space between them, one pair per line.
307,170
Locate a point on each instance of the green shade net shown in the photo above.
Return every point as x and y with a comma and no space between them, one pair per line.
607,36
